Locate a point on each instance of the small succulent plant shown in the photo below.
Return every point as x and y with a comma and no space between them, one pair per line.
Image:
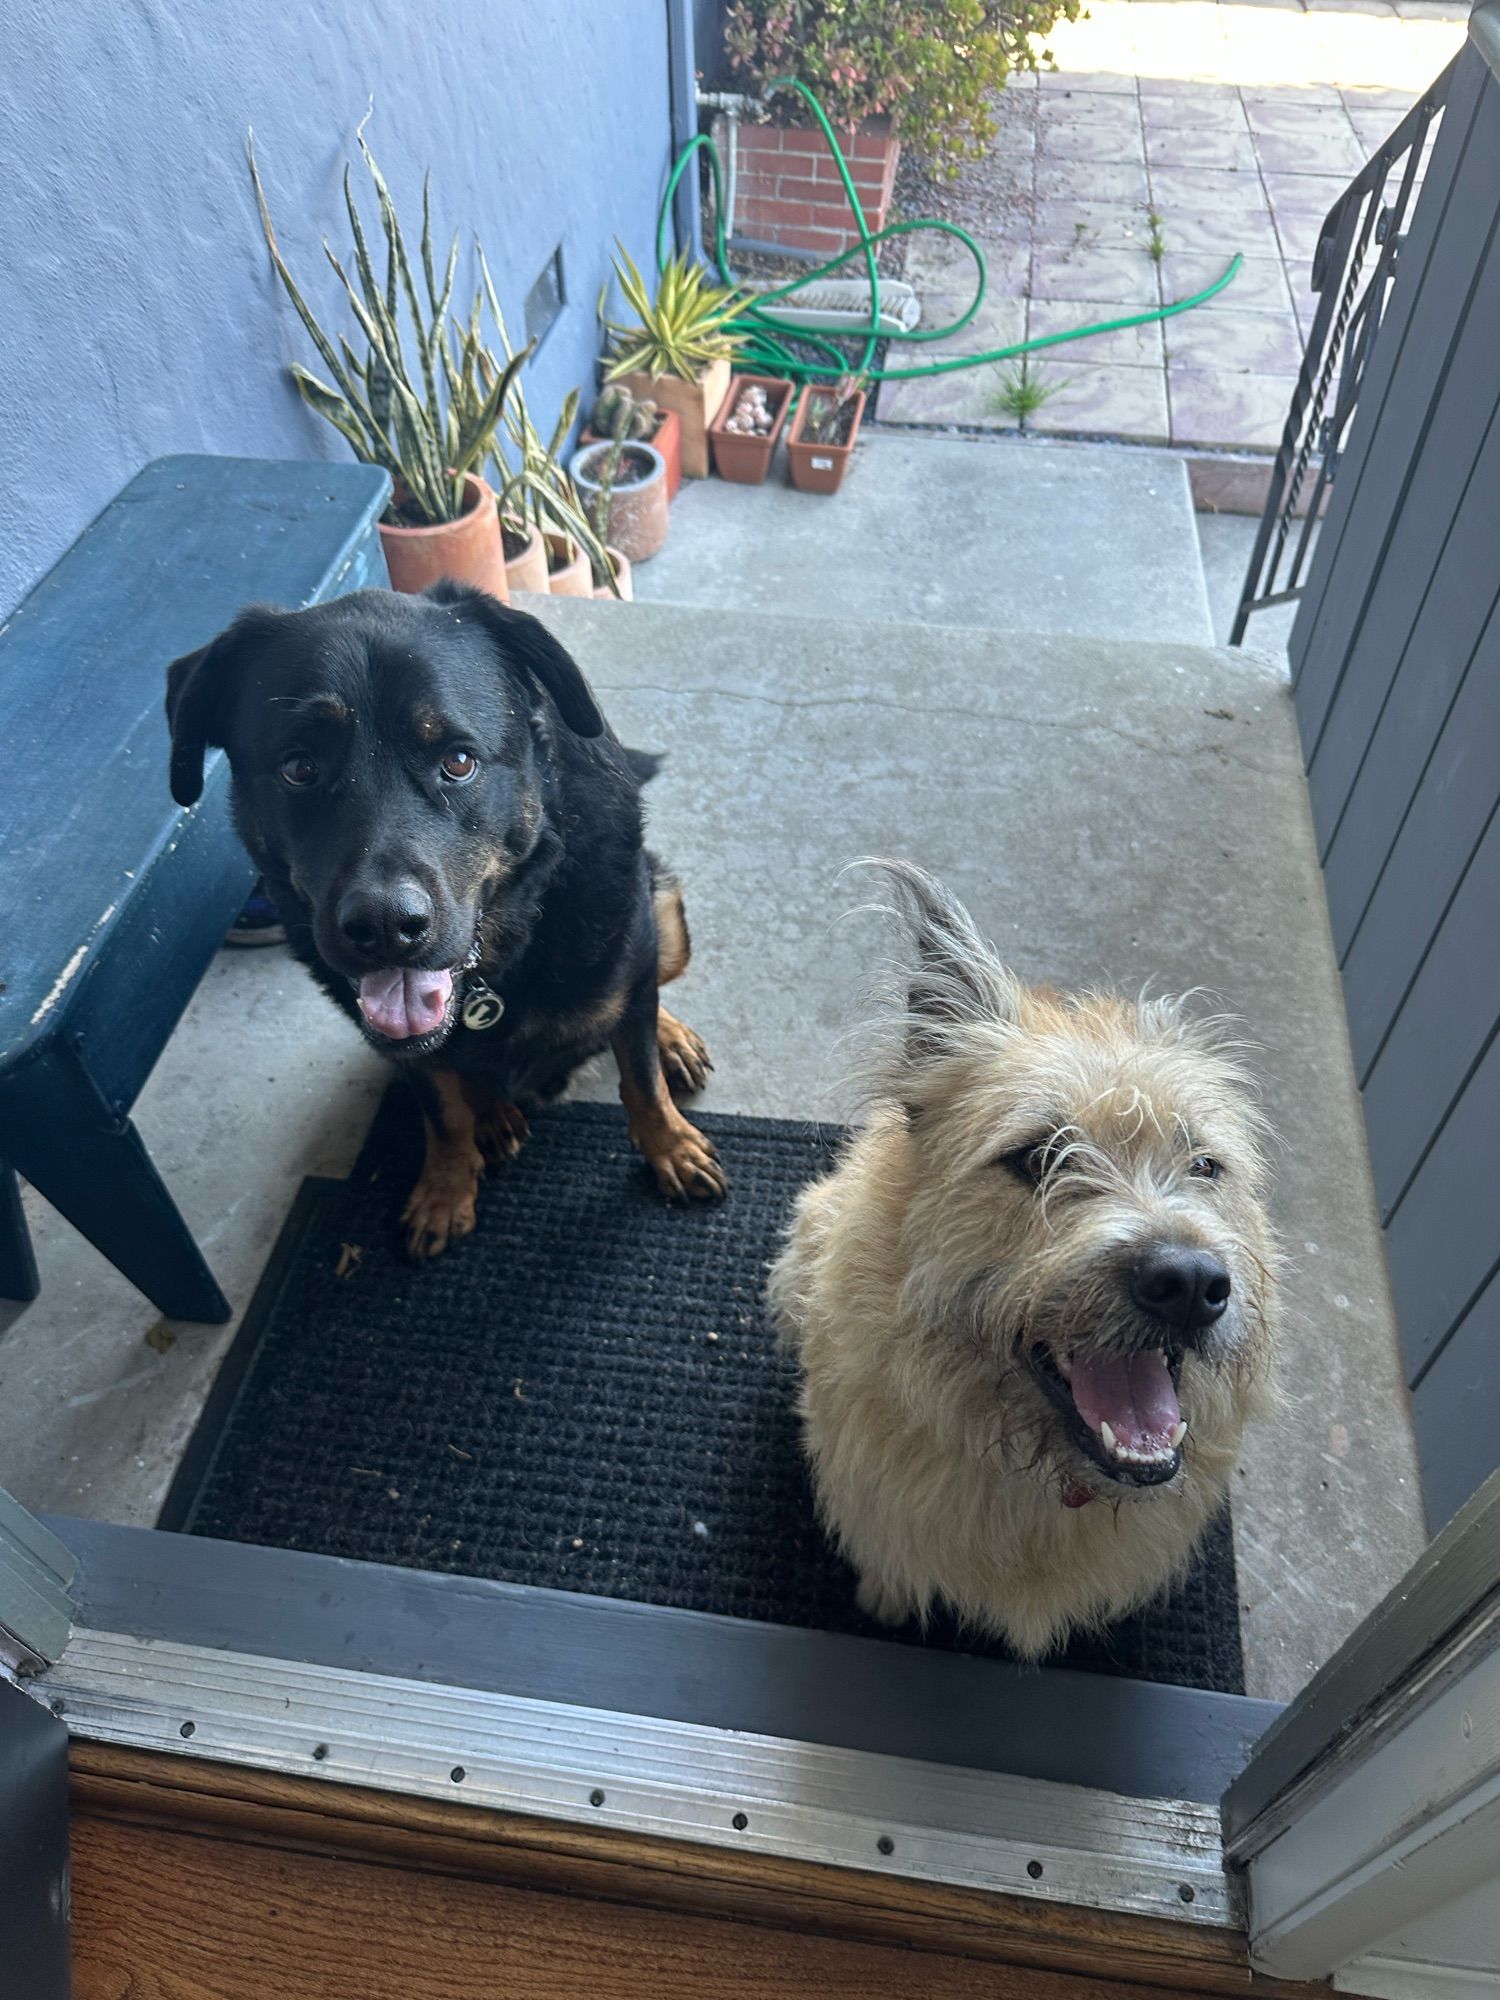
689,324
620,414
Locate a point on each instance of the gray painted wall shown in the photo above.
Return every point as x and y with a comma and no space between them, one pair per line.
138,311
1396,658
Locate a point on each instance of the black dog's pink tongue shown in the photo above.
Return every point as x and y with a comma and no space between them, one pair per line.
1132,1393
406,1002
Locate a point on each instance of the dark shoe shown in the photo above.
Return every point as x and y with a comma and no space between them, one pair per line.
258,923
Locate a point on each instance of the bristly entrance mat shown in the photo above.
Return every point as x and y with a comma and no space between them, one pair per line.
584,1394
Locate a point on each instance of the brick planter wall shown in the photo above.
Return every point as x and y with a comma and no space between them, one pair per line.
787,186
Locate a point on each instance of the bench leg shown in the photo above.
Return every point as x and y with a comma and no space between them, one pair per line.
95,1171
18,1278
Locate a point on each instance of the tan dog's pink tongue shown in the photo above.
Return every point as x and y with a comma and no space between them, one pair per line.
1132,1393
405,1002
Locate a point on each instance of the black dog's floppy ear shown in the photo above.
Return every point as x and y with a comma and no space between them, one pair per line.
526,643
198,690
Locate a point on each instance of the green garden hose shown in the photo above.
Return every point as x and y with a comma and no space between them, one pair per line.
765,349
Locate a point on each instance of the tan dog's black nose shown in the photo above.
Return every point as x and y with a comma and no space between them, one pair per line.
1183,1288
385,925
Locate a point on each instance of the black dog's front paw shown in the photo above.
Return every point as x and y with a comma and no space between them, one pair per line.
684,1056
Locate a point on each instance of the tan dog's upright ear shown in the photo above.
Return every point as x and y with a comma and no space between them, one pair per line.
199,686
955,975
525,644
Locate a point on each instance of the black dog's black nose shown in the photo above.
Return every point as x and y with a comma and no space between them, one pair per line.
385,924
1185,1288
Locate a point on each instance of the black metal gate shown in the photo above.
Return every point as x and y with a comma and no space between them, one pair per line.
1396,663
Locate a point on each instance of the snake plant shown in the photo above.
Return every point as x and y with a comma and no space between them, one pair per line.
688,324
430,426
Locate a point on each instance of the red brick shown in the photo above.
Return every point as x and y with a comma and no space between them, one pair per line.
790,189
797,138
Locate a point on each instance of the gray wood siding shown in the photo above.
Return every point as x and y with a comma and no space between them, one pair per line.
1396,663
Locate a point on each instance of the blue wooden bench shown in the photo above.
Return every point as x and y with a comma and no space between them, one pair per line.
113,899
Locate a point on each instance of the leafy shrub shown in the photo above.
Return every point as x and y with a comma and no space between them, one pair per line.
933,65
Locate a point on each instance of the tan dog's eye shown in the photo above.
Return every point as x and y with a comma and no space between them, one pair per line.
297,771
1029,1162
1203,1168
459,766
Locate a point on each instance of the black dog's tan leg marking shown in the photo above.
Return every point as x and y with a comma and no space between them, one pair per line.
500,1127
673,945
441,1205
684,1056
684,1162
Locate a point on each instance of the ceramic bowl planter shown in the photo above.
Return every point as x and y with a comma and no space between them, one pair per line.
469,550
568,571
525,561
621,567
635,519
818,467
667,438
695,404
745,456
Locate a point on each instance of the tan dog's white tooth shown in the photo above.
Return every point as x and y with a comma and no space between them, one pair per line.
1108,1438
1179,1432
1065,1366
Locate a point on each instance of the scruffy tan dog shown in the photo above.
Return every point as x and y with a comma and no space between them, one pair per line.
1040,1276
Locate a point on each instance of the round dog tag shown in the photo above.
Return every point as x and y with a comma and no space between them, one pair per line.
482,1008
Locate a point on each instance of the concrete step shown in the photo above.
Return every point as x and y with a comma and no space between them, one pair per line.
1094,540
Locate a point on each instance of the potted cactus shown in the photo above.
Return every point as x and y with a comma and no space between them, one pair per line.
647,422
825,425
623,485
431,430
679,350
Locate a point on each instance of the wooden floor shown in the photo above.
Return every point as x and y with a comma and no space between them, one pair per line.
198,1881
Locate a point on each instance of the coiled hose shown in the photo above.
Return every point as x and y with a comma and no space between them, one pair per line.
766,350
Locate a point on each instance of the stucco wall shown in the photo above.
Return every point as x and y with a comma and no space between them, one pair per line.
138,310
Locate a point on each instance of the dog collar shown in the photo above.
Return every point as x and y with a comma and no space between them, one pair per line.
482,1006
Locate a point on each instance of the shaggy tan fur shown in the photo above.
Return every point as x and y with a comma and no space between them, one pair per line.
920,1279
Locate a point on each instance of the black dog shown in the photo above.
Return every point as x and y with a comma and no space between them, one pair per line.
453,835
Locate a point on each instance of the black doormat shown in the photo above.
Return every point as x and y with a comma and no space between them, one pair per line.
584,1394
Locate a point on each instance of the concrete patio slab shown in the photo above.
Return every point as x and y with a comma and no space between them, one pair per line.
951,531
796,746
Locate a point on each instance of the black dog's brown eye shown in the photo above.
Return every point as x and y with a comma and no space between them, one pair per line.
459,766
1203,1168
297,771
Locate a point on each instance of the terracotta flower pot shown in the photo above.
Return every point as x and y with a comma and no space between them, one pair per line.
621,566
696,403
638,502
820,468
667,437
568,570
747,460
527,570
468,550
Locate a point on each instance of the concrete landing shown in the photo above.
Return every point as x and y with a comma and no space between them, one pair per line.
1090,540
1109,811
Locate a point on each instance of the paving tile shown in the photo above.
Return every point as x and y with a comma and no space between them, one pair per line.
1378,97
1103,400
1235,343
1373,128
1299,242
1316,120
1129,347
1195,88
1087,107
1106,180
1215,407
1381,9
1197,146
1260,285
1079,143
1330,152
1126,275
1092,225
1290,93
1304,194
998,323
1177,113
939,263
1101,82
1251,232
966,397
1208,190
